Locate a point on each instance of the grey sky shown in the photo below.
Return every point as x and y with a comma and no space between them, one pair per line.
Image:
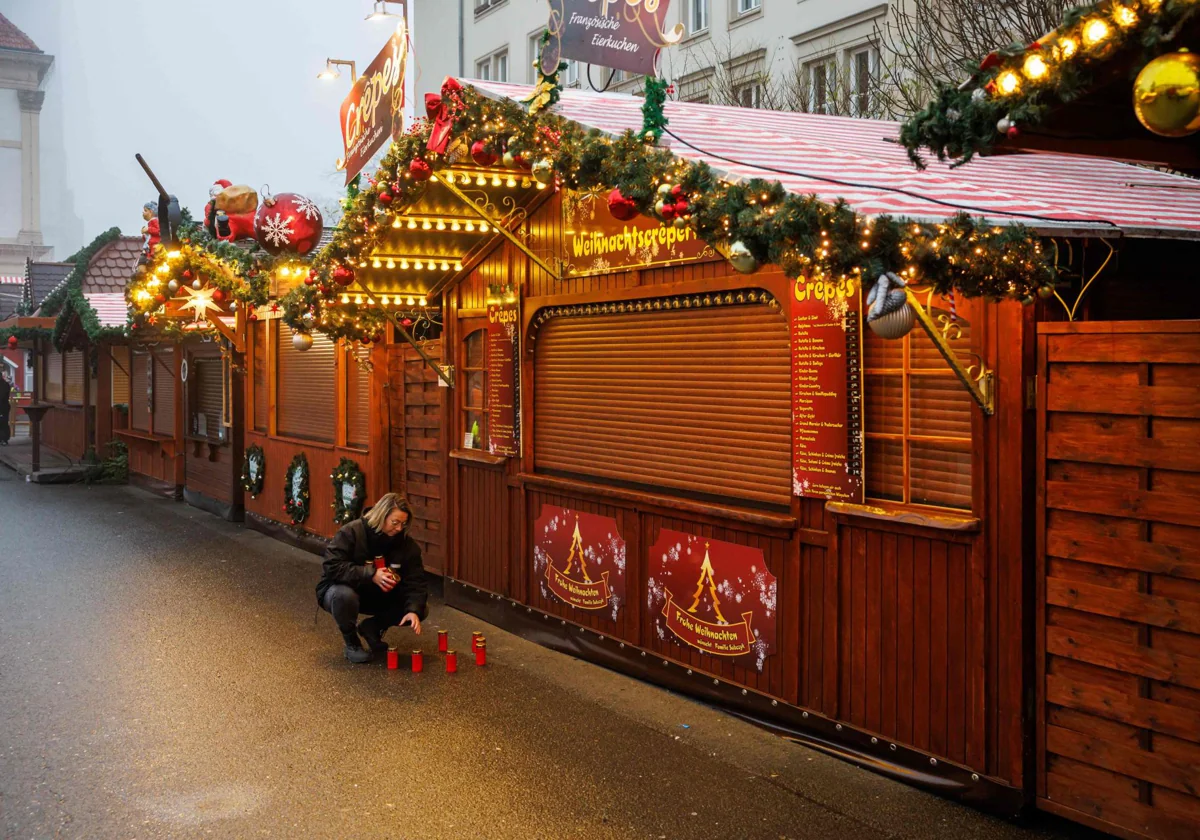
204,90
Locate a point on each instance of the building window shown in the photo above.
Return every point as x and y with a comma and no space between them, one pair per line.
822,84
744,6
864,67
569,77
494,68
750,95
483,69
473,408
918,419
697,16
482,6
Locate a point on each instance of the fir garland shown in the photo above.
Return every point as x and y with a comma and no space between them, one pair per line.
53,303
77,305
348,473
296,505
654,118
254,469
1019,86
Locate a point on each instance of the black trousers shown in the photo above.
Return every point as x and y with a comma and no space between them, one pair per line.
345,603
4,426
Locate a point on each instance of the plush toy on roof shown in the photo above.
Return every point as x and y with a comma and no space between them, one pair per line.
229,214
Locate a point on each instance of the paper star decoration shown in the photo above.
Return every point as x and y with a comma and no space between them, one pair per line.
200,302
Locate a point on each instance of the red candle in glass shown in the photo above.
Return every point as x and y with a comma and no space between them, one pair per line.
481,653
451,662
475,637
443,641
393,659
418,662
379,564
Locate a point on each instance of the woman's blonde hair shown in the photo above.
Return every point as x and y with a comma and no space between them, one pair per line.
383,508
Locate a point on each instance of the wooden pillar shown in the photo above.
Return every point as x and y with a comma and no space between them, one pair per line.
180,421
104,369
89,426
379,471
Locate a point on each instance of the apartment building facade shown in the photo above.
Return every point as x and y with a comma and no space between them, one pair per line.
810,55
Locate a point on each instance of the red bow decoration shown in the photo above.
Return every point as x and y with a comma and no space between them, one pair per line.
441,114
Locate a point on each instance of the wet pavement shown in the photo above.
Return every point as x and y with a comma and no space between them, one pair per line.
162,676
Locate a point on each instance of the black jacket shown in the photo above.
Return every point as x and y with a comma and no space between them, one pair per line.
350,559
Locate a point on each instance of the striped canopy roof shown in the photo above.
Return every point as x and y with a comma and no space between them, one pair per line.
110,308
862,162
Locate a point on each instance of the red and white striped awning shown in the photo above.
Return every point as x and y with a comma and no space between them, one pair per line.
862,162
110,307
8,280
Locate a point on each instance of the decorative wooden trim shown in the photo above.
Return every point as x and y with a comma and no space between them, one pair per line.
1116,327
906,516
781,521
478,456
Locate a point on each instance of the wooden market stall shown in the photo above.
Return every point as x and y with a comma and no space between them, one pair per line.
640,460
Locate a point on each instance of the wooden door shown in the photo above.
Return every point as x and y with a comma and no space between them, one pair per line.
1118,575
416,446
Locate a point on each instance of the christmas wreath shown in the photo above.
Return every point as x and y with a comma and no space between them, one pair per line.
295,490
254,470
349,491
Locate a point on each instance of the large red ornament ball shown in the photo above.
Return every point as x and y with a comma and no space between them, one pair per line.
343,276
288,223
12,342
480,153
385,198
218,295
420,170
668,211
622,208
253,316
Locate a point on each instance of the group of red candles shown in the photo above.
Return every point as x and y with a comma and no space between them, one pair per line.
478,647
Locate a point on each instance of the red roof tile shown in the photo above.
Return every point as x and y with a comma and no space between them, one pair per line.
111,269
12,38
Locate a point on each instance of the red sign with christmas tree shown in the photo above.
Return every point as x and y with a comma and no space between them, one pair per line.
579,558
716,596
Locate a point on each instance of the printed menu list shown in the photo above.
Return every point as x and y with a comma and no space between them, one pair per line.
826,391
503,434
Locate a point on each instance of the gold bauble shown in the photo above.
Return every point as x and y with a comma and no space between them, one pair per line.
1166,94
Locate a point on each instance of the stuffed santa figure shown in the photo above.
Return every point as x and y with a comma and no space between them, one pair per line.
151,231
229,215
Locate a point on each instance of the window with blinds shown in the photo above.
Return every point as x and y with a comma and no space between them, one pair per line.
164,392
120,375
306,401
261,401
358,403
140,398
73,378
54,376
208,398
692,401
918,420
473,390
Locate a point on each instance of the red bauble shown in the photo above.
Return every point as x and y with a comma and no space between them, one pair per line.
385,198
407,322
676,191
1012,131
622,208
480,153
218,295
253,316
12,342
308,281
342,275
161,298
187,274
682,209
288,224
420,170
668,211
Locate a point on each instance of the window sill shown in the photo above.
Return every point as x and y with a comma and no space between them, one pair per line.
483,11
478,456
961,523
694,37
745,17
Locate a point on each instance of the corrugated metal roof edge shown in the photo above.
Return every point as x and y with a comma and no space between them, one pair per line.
1064,228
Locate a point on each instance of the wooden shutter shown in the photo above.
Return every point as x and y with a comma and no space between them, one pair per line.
697,401
54,376
139,401
209,393
939,407
120,375
73,378
164,393
307,397
260,376
358,404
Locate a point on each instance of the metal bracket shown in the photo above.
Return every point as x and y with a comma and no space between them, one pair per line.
425,357
977,379
500,227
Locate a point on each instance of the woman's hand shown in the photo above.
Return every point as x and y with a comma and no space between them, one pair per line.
414,620
384,579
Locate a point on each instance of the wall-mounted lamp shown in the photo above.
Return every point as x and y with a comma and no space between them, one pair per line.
381,13
332,72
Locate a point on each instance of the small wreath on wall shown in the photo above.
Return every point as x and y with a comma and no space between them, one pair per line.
295,490
254,469
349,491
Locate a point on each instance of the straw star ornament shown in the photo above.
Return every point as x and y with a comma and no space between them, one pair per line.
200,302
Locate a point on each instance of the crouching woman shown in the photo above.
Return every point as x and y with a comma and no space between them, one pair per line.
392,589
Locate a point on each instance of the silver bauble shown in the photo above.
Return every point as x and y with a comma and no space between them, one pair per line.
741,258
664,190
658,207
197,284
895,324
680,222
302,341
173,286
543,171
509,160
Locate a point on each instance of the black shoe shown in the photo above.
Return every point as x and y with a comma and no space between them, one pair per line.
369,629
354,649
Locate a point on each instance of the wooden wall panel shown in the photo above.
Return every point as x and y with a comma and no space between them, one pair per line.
65,429
1119,576
322,459
482,527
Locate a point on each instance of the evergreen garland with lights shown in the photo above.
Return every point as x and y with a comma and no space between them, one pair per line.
348,472
1017,87
296,506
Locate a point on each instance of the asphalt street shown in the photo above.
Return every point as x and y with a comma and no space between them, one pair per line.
162,676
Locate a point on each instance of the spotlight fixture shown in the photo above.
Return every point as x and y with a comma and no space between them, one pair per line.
332,72
380,12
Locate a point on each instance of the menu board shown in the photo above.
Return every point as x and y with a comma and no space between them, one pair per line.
502,428
827,433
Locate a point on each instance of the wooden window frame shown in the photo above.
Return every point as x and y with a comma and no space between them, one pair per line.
469,328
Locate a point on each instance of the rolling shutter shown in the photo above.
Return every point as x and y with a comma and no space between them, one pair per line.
164,393
120,375
139,399
358,404
307,392
260,376
54,376
73,378
696,401
209,396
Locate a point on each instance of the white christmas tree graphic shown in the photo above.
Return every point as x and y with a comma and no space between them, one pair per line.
706,580
576,556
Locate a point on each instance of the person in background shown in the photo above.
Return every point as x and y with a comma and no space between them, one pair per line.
6,408
373,567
